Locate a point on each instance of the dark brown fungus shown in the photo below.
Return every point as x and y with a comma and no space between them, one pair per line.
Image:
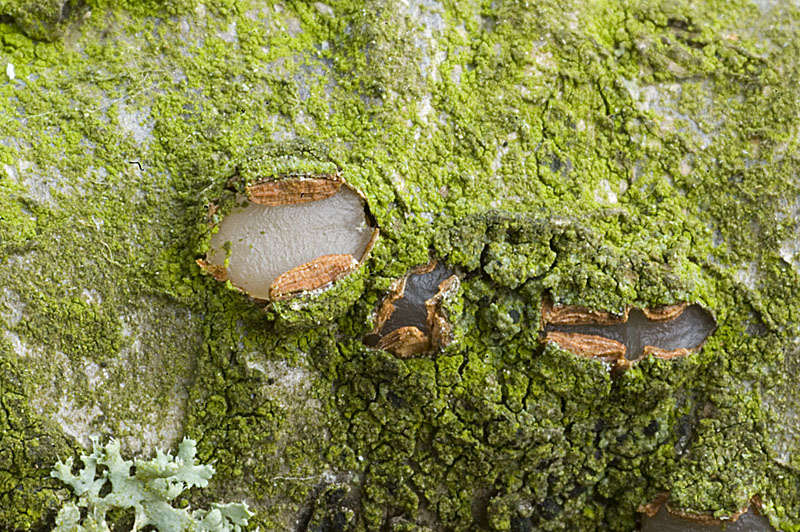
411,319
664,332
658,517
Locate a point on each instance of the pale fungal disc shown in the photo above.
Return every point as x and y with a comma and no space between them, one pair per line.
267,241
664,521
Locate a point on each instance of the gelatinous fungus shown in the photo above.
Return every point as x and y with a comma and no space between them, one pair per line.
658,517
410,320
664,332
291,235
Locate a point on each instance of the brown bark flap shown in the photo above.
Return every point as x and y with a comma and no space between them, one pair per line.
576,315
441,330
293,191
220,273
665,313
587,345
665,354
405,342
311,275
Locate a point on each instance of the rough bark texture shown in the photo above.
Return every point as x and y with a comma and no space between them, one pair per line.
601,154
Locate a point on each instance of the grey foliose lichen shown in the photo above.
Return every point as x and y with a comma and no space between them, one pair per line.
148,492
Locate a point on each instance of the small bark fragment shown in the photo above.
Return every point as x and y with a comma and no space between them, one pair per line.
665,313
665,354
575,315
588,345
293,191
405,342
311,275
220,273
211,210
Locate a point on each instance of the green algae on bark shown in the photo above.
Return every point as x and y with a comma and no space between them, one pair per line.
38,19
609,154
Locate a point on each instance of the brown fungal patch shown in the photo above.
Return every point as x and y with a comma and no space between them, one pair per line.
663,332
411,320
291,235
659,517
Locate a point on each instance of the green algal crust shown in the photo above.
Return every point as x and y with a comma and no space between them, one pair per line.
38,19
291,157
604,154
30,443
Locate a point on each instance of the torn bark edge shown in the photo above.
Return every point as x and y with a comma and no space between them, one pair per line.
405,342
576,315
410,341
600,347
590,346
665,313
338,267
220,273
608,350
313,275
293,189
439,325
652,508
327,185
